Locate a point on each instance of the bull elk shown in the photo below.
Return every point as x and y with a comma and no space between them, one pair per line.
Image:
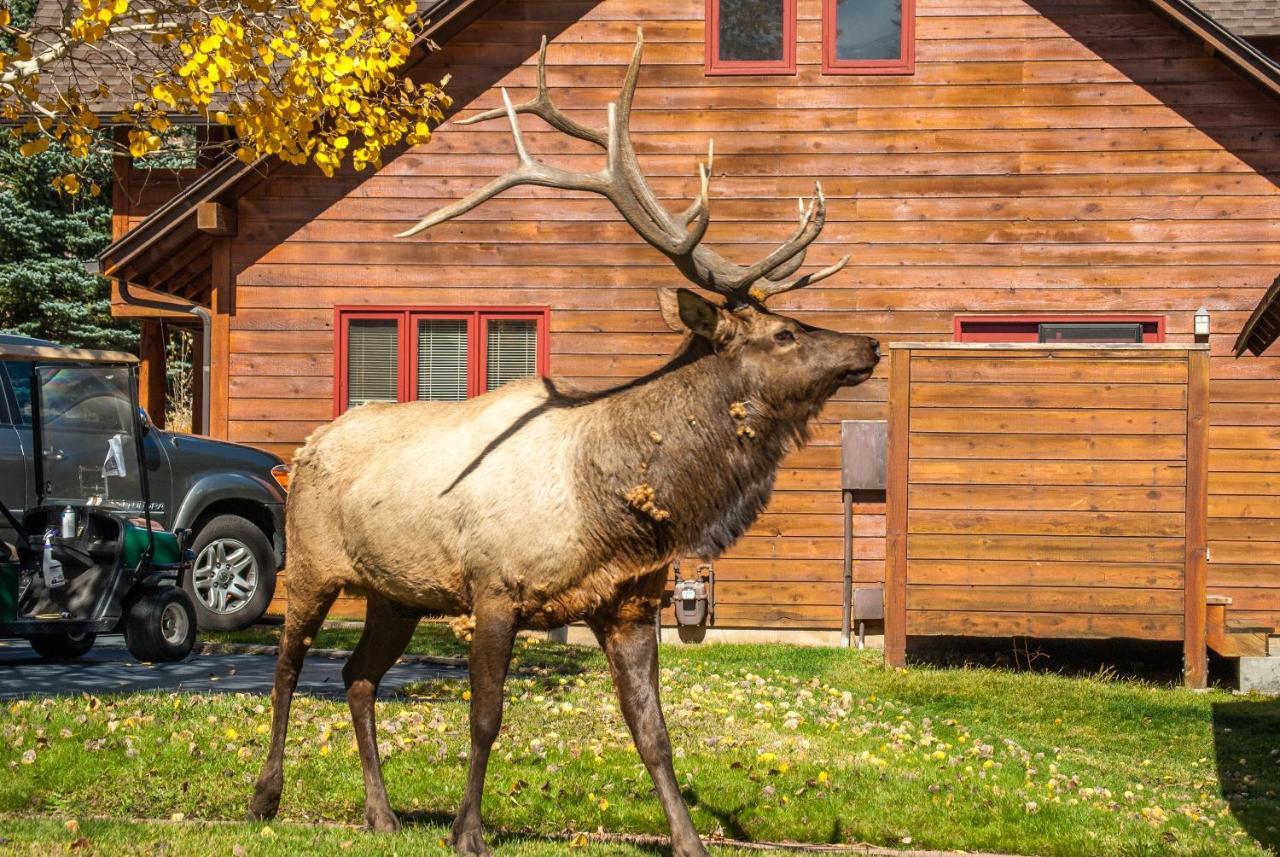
535,505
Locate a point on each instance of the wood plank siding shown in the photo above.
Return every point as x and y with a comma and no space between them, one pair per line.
1081,156
1116,550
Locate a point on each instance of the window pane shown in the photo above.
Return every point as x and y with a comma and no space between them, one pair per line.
373,361
442,359
868,29
751,30
20,380
512,350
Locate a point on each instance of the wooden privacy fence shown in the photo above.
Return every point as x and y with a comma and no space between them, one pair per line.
1053,491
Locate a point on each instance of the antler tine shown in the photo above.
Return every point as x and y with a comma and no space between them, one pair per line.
764,291
789,267
545,109
811,223
701,218
628,93
529,171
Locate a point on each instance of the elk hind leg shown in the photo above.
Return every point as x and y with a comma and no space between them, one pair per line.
631,646
491,643
306,609
387,631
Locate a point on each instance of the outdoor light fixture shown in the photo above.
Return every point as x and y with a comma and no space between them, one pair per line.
1202,322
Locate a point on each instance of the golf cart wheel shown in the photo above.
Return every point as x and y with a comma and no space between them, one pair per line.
62,647
233,577
160,626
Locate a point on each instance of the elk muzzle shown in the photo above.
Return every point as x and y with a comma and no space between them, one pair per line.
860,356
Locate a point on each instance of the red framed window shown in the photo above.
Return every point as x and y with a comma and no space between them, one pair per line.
751,36
404,354
868,36
1059,328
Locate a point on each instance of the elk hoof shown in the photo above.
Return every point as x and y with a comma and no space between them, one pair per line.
264,804
470,842
688,848
381,820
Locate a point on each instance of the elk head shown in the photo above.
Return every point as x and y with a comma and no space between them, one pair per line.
782,354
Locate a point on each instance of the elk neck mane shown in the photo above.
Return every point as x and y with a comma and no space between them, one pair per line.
683,460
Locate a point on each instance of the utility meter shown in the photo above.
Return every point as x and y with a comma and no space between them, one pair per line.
694,597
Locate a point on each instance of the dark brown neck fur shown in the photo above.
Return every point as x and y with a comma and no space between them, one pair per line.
683,460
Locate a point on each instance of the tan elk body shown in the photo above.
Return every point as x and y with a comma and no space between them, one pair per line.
537,505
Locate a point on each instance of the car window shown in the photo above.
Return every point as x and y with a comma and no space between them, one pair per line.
87,400
19,375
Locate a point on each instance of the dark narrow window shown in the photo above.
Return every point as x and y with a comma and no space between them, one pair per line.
868,36
751,36
444,354
1059,328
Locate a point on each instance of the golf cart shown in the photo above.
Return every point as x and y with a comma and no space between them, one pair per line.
87,558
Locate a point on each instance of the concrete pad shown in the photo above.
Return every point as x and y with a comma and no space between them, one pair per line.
1260,674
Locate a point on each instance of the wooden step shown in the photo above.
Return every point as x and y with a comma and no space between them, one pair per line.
1237,638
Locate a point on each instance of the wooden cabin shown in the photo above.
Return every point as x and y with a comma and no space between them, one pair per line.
991,165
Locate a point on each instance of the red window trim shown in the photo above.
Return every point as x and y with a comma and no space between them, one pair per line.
786,65
905,64
962,335
406,315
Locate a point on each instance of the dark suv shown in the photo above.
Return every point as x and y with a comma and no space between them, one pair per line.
230,496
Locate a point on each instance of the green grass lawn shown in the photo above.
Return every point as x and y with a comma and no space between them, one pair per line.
773,743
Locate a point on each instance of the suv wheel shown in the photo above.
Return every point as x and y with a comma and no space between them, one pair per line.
234,574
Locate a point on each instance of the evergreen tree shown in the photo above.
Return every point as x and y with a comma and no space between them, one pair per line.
46,236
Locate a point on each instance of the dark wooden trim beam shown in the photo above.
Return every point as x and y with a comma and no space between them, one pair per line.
216,218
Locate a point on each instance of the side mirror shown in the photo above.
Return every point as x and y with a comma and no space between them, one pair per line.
144,420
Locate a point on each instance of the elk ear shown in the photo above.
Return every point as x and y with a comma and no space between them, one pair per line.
687,312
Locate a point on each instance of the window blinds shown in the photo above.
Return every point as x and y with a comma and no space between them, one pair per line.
373,357
512,347
442,359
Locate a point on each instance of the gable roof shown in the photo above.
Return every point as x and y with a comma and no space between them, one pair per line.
168,241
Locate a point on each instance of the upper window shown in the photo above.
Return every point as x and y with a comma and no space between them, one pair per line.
400,355
1060,328
751,36
868,36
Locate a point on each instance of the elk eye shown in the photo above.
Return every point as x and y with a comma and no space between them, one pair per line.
782,337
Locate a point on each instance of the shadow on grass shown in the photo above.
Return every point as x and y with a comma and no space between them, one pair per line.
1248,761
1141,660
503,838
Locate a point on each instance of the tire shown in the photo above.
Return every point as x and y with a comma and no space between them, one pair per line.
62,647
160,626
233,577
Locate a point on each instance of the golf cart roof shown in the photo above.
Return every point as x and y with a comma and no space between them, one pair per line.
39,351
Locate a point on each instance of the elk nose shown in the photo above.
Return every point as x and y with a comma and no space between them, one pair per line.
875,348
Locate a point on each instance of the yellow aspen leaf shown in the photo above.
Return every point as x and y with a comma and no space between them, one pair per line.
33,147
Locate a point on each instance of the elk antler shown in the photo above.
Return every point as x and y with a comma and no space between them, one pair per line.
678,237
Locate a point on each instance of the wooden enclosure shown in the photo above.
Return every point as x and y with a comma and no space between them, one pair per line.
1048,491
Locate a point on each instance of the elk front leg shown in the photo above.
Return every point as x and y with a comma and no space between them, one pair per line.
631,646
387,631
491,642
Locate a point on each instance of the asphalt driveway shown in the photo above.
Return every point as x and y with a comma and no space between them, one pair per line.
109,668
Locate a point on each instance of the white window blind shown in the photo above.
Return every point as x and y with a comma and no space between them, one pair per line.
373,358
512,346
442,359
